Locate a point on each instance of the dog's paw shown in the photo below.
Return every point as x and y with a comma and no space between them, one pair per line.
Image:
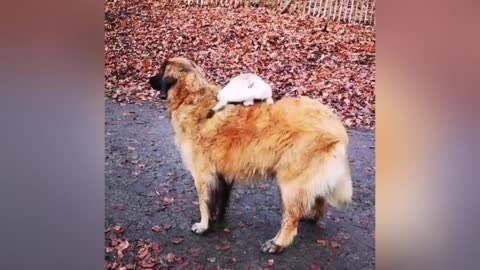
199,228
270,247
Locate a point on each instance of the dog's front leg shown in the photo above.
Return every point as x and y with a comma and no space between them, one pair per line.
203,184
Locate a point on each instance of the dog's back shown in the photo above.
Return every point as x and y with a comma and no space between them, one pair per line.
260,142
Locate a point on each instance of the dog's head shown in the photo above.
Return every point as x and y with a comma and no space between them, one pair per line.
171,72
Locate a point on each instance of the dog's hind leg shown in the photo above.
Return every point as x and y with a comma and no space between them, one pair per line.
295,204
318,210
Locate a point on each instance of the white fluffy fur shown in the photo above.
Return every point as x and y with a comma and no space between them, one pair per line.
244,88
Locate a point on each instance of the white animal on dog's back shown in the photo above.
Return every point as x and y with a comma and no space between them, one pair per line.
244,88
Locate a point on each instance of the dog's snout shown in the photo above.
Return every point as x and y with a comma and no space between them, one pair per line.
155,82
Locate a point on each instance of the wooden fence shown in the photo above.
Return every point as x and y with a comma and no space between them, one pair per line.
345,11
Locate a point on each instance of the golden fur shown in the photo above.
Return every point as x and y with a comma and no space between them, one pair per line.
298,141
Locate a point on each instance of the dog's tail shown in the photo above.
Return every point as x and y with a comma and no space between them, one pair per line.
333,179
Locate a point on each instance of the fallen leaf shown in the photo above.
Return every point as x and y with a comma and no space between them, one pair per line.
118,229
130,266
122,246
334,244
146,264
168,200
222,247
120,254
114,242
157,228
142,253
322,242
344,236
170,257
176,241
155,247
337,220
195,252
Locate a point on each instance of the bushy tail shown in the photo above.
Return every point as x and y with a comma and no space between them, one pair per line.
335,173
341,196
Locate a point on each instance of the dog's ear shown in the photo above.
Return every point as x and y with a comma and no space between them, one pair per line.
187,67
167,83
197,68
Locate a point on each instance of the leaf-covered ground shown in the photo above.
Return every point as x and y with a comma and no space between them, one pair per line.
292,53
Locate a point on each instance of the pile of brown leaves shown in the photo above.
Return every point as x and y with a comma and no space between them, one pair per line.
120,254
292,53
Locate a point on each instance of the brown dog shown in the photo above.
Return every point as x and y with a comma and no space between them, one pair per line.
298,141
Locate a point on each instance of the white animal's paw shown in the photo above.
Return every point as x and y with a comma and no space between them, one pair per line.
270,101
199,228
248,103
